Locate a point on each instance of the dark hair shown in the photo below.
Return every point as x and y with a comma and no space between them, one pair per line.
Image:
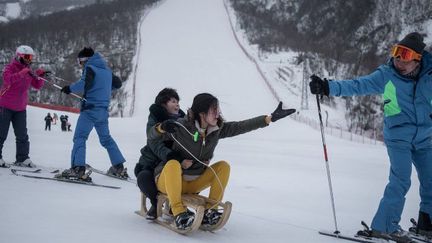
202,103
165,95
86,52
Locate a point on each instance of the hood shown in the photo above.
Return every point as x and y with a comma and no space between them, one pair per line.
161,114
97,61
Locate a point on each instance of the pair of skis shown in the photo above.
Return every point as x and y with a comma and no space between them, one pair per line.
89,167
365,237
31,173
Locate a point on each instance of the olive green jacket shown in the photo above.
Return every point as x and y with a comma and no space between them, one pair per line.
203,144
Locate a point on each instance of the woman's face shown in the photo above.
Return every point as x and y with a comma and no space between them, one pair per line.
405,67
212,116
172,106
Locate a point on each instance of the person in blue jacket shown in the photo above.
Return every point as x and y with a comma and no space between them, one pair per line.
405,82
96,84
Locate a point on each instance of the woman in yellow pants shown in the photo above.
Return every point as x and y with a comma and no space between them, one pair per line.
187,168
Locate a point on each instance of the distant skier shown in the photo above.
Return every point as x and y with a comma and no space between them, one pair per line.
166,106
406,84
96,83
55,118
18,77
48,119
63,122
199,133
68,124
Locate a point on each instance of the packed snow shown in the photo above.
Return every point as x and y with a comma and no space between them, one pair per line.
278,184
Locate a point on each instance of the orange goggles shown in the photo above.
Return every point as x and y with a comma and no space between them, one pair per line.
405,54
27,57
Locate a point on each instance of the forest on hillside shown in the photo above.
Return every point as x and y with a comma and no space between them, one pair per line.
343,39
108,27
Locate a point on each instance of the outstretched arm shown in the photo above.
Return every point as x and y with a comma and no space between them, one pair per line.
230,129
373,83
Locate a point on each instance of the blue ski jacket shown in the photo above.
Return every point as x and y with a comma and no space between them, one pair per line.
407,102
95,82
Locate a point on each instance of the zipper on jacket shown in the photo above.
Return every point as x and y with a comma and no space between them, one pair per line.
202,145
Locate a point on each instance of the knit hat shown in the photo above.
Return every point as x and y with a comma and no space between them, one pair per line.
202,103
413,41
86,52
165,95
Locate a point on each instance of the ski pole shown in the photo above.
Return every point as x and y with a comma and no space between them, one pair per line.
59,87
327,165
58,78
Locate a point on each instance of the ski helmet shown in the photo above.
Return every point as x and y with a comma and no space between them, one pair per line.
25,54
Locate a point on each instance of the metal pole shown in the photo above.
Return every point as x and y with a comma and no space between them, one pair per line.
59,87
327,165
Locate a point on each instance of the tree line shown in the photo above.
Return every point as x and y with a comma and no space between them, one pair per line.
108,27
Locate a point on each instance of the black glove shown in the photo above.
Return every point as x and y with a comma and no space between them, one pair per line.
169,126
280,113
174,155
319,86
66,89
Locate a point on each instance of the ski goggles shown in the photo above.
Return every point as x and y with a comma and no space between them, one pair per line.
81,60
405,54
26,57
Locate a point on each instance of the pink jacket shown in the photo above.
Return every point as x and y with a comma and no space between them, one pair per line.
14,91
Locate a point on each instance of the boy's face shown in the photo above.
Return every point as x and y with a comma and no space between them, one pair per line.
172,106
405,67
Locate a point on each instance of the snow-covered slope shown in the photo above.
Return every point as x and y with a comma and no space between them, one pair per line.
278,184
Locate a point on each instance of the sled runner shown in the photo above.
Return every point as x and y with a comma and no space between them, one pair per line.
193,201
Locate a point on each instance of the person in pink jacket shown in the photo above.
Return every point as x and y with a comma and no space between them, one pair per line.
18,77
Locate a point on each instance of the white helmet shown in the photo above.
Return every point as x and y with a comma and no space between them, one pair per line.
23,49
25,54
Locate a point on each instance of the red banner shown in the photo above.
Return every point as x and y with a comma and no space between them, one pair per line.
56,107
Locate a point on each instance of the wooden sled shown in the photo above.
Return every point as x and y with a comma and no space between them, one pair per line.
192,201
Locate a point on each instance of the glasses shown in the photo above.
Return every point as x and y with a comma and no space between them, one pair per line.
81,60
405,54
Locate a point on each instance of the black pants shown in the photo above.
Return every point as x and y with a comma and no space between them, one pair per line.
147,185
48,126
63,126
19,123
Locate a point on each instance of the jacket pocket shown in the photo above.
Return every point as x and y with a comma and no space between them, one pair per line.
395,120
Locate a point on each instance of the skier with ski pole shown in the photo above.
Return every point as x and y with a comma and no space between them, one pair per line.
195,139
17,80
97,82
405,82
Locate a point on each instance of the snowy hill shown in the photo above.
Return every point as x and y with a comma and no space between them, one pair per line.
278,184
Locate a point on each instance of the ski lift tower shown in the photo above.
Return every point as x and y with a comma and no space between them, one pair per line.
304,95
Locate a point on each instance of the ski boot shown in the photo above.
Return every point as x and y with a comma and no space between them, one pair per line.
399,235
118,171
211,217
25,163
152,213
423,226
3,164
75,173
184,220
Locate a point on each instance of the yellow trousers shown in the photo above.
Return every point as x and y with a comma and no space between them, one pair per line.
171,183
